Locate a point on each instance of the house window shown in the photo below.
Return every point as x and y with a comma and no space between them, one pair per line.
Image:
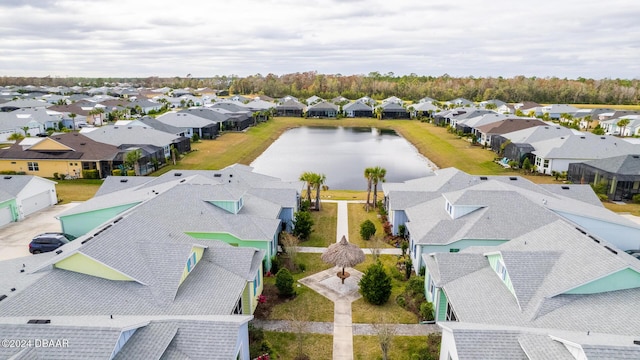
191,262
451,315
501,270
238,308
546,163
33,166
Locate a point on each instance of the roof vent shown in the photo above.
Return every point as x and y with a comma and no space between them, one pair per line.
610,249
2,297
594,239
602,137
118,219
58,252
582,231
230,175
217,175
582,137
124,180
636,342
83,143
183,180
484,178
86,240
513,178
565,187
39,321
177,174
635,156
8,177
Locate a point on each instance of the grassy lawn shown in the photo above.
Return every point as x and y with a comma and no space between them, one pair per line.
357,215
324,226
76,190
633,209
402,347
343,195
391,312
317,346
599,106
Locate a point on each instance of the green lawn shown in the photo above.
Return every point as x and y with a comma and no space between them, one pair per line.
317,346
324,226
357,215
402,347
391,312
76,190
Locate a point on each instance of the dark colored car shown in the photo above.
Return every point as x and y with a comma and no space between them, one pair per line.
48,242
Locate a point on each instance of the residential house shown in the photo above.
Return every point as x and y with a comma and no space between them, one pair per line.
323,109
154,145
238,117
555,278
427,99
459,102
621,174
287,99
516,145
458,116
23,104
24,125
451,210
488,131
193,121
423,109
392,110
67,155
313,100
469,124
290,108
340,100
463,340
202,337
611,126
555,111
23,195
358,109
493,103
233,205
367,100
393,99
556,154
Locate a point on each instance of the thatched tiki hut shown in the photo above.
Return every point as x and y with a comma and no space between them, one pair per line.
343,254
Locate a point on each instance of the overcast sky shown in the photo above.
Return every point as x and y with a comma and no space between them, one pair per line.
134,38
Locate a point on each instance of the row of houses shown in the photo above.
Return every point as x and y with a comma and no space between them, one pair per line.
514,269
162,267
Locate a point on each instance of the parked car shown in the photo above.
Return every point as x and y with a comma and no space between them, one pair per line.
48,242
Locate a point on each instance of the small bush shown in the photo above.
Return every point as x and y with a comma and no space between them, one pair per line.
375,284
116,172
423,271
401,301
90,174
302,267
426,311
386,226
396,274
276,264
367,230
131,173
636,199
56,176
284,283
302,225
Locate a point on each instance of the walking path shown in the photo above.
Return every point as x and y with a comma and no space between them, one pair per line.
330,286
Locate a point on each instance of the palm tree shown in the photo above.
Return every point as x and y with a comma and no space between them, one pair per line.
73,121
377,175
622,124
317,182
308,178
367,175
15,137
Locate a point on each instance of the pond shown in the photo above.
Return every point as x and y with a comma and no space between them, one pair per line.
341,154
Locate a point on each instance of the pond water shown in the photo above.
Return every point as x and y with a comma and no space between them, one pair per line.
341,154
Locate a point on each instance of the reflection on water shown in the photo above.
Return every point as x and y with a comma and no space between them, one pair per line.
341,154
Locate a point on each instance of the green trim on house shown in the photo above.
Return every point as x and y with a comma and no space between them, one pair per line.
493,261
83,264
13,207
235,241
442,307
620,280
82,223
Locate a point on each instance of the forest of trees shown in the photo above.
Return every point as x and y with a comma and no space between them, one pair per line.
380,86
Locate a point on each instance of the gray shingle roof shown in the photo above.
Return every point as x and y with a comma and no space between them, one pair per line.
623,165
583,147
119,135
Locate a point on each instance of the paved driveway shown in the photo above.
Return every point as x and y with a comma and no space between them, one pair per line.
15,237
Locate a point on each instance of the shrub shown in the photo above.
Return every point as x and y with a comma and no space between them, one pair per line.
387,227
276,264
90,174
302,267
116,172
195,137
302,225
305,205
367,229
636,199
375,284
426,311
284,283
401,301
415,287
131,173
56,176
423,271
402,230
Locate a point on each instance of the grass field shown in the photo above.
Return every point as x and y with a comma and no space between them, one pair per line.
357,215
324,227
317,346
600,106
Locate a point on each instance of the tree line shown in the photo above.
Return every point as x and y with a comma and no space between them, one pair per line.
379,86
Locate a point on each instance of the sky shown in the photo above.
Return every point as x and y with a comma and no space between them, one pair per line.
137,38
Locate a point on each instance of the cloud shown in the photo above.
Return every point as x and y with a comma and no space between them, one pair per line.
499,38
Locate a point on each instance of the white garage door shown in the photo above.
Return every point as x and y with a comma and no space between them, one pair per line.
5,216
35,203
